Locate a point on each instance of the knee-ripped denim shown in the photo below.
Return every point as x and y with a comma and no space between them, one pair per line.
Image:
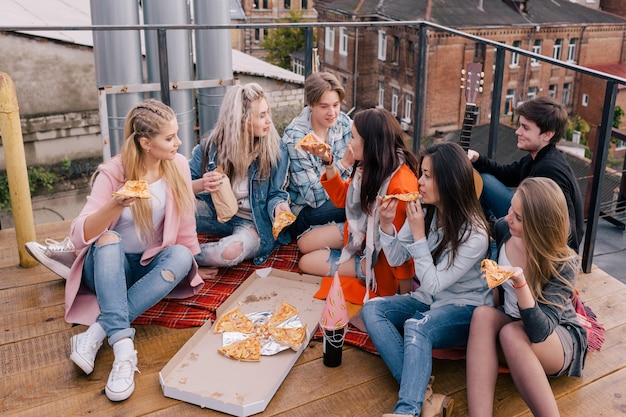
405,331
125,288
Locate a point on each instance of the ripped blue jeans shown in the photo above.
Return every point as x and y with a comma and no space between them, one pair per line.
405,331
125,288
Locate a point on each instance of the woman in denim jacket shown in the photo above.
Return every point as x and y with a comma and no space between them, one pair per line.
244,142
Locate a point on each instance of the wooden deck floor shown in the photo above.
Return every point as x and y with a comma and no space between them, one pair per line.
37,378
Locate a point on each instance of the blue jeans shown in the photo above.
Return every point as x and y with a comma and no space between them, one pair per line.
125,288
405,331
237,229
496,197
309,216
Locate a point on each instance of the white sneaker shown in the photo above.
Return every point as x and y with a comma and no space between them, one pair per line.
85,346
56,256
121,383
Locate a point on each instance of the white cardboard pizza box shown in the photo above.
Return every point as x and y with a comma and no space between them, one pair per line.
198,374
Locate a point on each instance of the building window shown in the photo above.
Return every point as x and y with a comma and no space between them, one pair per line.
532,93
305,4
382,45
509,101
343,41
514,55
297,66
394,101
257,35
479,52
552,91
330,39
260,4
287,4
408,107
571,50
381,94
567,91
558,46
536,50
395,53
585,100
410,59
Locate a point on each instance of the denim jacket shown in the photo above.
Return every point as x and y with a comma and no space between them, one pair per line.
265,194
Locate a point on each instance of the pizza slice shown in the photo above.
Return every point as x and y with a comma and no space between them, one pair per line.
234,321
288,336
493,273
281,221
247,350
282,313
412,196
313,146
135,189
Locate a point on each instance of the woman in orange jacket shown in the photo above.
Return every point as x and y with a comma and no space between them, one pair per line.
384,165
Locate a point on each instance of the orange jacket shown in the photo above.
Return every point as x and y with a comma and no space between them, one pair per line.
403,181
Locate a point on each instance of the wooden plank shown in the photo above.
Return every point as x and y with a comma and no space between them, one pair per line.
16,276
8,240
31,297
21,325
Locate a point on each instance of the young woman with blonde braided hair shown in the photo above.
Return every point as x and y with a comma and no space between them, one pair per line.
132,252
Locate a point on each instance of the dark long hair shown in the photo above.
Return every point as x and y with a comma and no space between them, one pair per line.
384,150
454,178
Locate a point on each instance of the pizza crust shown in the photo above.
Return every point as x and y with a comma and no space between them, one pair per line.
281,221
134,189
412,196
493,273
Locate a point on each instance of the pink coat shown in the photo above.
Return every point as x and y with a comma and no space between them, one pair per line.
81,305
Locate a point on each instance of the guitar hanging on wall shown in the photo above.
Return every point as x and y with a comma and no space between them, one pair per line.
471,82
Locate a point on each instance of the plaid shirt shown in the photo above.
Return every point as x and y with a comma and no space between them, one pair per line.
305,169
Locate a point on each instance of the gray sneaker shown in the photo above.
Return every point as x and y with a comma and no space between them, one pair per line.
56,256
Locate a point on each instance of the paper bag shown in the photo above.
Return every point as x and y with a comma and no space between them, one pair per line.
224,200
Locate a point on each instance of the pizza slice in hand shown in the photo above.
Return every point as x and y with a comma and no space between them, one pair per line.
493,273
314,146
281,221
412,196
134,189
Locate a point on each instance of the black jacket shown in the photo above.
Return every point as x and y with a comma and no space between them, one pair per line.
550,163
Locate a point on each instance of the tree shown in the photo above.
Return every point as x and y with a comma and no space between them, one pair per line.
281,42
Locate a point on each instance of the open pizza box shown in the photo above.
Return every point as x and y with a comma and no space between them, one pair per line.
198,374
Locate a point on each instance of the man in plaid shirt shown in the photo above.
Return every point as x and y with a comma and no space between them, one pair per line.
323,117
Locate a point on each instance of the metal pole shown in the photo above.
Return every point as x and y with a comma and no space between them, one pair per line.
308,52
17,173
600,155
420,88
164,75
496,99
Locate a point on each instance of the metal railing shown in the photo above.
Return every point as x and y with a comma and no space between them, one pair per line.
604,134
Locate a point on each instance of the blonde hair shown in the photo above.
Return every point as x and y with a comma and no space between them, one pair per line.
147,120
545,230
233,135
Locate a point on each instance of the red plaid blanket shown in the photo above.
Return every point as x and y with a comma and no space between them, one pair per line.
196,310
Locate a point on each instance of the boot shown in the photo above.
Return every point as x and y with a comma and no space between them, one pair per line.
427,395
438,405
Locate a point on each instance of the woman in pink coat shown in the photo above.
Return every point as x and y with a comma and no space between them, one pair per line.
133,252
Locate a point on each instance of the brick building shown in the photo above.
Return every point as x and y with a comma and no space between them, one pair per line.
270,11
378,64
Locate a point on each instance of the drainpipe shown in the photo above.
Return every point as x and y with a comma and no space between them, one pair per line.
17,174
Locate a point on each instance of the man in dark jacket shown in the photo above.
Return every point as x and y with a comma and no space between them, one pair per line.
542,122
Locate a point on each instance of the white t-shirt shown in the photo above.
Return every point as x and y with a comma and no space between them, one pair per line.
126,224
510,298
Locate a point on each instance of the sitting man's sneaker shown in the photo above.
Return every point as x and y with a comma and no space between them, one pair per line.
85,346
121,383
56,256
